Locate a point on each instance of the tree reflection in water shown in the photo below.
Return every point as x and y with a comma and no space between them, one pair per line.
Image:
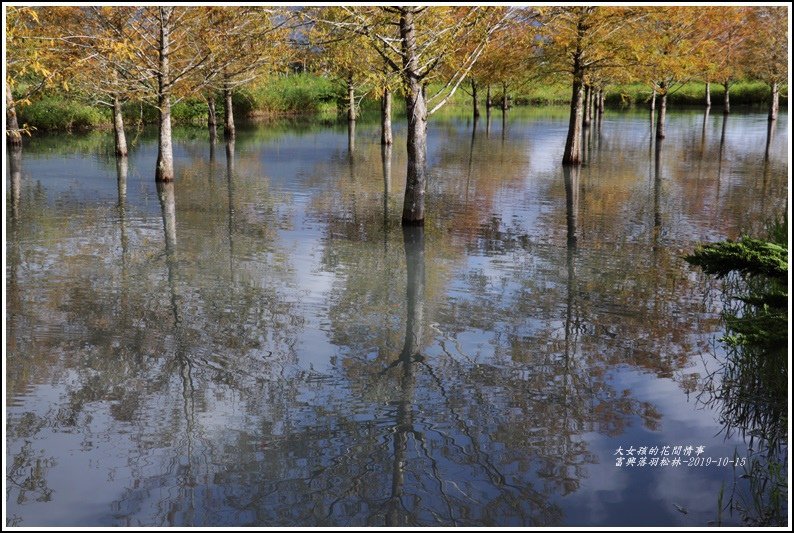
469,365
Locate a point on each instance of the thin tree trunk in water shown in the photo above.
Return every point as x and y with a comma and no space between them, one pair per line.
573,146
657,189
122,168
165,192
588,99
770,133
773,103
708,94
351,99
165,150
385,117
118,128
504,97
229,131
653,100
488,105
212,118
13,136
571,177
416,111
727,109
385,155
703,132
15,169
662,112
351,137
475,106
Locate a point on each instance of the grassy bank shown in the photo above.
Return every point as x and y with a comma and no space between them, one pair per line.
308,94
694,93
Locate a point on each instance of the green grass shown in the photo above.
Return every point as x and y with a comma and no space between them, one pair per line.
694,93
295,94
53,113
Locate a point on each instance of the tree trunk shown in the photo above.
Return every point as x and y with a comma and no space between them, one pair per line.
488,105
727,108
571,178
657,189
15,169
165,193
385,155
653,100
416,111
475,106
588,100
122,168
385,117
351,99
13,136
504,97
662,112
212,118
351,137
118,128
773,102
229,131
770,133
165,150
573,143
414,240
708,94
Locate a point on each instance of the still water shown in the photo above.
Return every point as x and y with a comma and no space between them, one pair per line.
261,343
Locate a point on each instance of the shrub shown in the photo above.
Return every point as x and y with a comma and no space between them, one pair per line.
55,113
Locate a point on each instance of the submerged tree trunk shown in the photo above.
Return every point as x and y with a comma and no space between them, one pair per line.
474,104
118,128
385,117
727,106
229,131
351,137
770,133
13,136
708,94
573,143
571,178
488,105
773,102
165,193
385,155
588,105
657,189
212,118
662,112
15,169
165,150
416,111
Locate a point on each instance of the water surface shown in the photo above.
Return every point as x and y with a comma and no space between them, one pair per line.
261,343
